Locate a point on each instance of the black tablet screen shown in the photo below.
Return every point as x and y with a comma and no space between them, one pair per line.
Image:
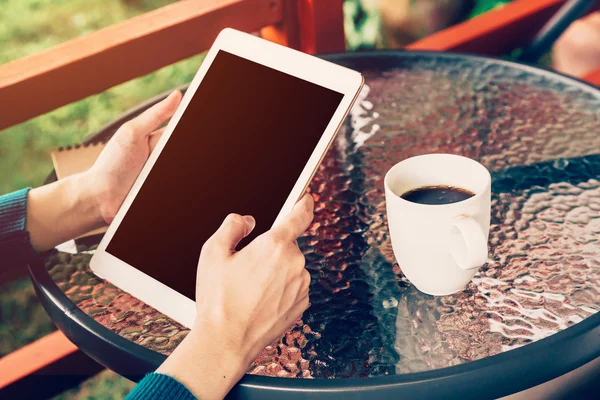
239,147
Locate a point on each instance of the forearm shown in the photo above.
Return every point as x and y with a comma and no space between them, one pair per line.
205,364
61,211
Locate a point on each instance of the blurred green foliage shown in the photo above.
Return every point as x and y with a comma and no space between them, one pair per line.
22,317
361,24
105,386
482,6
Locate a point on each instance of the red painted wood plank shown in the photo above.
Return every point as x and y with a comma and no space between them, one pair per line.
494,32
593,77
44,368
322,22
35,356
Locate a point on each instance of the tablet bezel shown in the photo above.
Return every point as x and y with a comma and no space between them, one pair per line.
292,62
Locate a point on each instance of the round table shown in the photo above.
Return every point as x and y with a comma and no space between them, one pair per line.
529,315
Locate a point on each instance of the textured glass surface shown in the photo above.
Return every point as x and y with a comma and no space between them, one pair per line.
539,135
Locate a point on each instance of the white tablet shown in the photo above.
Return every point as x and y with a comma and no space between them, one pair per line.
247,138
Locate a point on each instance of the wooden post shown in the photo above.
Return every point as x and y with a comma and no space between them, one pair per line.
311,26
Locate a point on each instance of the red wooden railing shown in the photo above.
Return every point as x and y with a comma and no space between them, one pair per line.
44,368
494,32
93,63
593,77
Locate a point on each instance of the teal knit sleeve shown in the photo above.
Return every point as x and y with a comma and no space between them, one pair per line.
160,387
15,248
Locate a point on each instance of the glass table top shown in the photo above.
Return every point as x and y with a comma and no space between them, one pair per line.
537,132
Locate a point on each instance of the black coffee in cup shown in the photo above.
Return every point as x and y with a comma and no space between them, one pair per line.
435,195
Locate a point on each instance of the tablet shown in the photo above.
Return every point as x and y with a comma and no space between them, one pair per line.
248,135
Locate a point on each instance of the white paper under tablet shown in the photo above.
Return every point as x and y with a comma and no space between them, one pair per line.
239,147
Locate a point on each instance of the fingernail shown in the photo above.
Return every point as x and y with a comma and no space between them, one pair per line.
173,94
249,220
308,201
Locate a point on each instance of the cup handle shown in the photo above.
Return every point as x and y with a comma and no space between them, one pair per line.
468,243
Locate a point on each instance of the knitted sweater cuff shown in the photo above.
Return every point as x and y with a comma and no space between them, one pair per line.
160,387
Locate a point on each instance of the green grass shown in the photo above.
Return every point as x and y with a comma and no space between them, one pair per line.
23,318
106,385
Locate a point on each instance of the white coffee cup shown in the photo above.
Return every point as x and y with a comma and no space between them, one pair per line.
439,247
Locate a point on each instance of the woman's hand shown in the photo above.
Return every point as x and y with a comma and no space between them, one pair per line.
81,203
256,294
245,300
125,154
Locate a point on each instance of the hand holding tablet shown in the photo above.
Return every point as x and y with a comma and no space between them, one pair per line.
248,135
266,289
120,162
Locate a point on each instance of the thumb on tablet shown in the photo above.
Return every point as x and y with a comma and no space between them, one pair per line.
297,221
233,229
